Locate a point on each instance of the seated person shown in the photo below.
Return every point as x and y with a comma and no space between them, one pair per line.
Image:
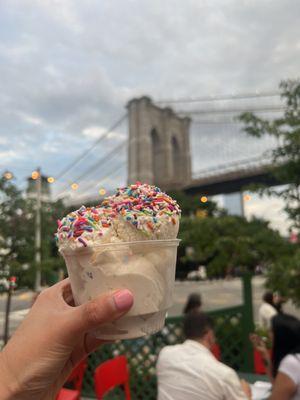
189,371
266,311
284,367
194,303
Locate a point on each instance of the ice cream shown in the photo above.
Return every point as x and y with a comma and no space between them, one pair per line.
136,212
128,241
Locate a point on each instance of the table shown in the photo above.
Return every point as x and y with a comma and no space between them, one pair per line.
252,378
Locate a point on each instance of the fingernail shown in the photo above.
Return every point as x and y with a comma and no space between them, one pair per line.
123,299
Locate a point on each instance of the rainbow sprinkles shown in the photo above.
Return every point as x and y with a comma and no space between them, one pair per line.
141,206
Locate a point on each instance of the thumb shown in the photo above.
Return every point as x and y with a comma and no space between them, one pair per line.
104,308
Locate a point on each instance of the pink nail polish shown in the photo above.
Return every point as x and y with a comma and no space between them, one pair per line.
123,299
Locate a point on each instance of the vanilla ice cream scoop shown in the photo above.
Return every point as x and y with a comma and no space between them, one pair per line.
144,213
133,213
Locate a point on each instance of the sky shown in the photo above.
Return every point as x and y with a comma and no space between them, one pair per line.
68,68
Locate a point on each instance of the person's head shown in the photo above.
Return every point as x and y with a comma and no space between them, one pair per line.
198,326
193,303
286,338
268,297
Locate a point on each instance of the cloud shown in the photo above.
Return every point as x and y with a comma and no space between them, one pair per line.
68,68
7,155
95,132
269,209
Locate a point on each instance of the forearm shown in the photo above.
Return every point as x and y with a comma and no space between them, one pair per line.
268,365
248,395
246,389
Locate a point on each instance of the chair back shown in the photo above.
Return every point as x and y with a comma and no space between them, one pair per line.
216,350
76,376
259,365
110,374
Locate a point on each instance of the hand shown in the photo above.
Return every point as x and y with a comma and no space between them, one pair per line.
259,345
246,388
52,339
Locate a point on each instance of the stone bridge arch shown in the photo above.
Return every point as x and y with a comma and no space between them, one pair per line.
158,149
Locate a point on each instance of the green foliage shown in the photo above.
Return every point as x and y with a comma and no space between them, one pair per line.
17,245
286,157
229,242
284,273
284,277
15,220
191,204
264,333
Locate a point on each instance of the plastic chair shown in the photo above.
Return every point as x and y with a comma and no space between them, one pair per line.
216,351
68,394
259,365
110,374
76,379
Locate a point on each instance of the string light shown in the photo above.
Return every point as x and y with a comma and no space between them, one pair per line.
35,175
50,179
102,192
247,197
7,175
74,186
204,199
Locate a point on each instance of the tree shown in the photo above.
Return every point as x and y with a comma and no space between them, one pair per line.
191,205
13,226
284,277
286,157
17,244
226,243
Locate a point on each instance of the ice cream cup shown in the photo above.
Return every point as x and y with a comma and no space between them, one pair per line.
146,268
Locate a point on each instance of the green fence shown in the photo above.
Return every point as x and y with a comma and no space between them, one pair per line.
232,328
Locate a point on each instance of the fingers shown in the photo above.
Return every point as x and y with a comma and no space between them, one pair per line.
104,308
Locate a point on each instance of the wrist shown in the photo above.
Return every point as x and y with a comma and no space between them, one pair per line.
8,383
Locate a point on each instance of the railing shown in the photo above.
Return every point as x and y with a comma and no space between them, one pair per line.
263,160
232,328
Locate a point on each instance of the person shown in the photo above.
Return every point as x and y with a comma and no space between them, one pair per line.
189,370
53,338
266,311
278,302
194,303
283,368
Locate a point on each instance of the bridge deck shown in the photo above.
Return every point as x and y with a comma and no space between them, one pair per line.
231,181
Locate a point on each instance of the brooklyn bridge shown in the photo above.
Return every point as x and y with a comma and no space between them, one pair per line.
197,145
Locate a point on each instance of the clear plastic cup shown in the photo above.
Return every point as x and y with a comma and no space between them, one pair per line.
146,268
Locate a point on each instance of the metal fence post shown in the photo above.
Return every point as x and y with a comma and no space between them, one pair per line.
248,322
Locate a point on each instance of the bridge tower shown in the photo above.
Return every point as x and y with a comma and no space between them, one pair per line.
158,149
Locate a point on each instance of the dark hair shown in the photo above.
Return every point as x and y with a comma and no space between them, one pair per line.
196,325
194,302
268,297
286,338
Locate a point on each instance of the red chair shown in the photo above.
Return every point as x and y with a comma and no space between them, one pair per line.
259,366
216,351
110,374
76,379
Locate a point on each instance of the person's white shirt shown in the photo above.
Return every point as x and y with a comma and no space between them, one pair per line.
189,371
265,314
290,366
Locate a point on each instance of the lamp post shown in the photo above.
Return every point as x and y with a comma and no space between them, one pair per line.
36,175
10,289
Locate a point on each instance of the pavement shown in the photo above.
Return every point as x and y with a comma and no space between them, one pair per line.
20,305
222,293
